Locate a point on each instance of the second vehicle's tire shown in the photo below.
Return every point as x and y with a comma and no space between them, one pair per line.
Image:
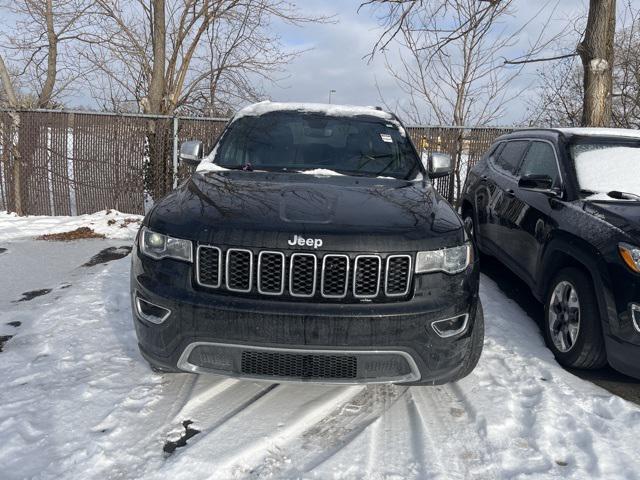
572,327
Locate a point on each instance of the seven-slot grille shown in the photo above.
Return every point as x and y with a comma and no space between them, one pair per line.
303,274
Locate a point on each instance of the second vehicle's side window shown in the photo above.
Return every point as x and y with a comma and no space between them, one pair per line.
540,160
510,156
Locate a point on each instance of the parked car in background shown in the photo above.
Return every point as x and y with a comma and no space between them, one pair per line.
310,245
561,209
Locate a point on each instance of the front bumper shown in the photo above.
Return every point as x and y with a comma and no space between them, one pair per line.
235,336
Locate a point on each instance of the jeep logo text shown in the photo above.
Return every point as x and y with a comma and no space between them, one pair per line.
305,242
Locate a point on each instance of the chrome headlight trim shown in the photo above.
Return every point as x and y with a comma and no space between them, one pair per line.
158,246
449,260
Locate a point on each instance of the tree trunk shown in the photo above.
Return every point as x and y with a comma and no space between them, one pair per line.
52,59
159,39
596,52
14,127
155,177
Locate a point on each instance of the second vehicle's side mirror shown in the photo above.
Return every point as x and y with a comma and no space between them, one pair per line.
191,151
437,164
538,183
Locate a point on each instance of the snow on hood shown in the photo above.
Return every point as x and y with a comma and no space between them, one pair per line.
207,165
607,169
322,172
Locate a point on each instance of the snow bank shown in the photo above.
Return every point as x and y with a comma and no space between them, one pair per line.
606,169
110,223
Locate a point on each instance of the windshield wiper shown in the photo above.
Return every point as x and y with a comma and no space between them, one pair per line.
623,195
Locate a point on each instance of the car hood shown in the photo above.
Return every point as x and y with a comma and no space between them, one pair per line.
624,215
265,209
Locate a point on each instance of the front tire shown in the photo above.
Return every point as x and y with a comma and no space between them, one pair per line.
572,327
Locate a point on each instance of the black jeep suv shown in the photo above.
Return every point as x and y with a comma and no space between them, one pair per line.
561,209
309,245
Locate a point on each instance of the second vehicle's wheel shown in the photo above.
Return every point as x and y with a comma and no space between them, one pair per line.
467,219
572,327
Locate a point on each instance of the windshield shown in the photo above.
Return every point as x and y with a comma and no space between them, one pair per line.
607,166
294,141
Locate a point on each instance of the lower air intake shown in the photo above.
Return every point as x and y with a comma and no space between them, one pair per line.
299,365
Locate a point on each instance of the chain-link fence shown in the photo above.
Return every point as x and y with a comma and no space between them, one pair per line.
71,163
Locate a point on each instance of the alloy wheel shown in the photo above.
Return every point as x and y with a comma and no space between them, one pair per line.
468,224
564,316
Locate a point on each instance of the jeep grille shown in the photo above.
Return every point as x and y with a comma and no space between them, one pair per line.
304,274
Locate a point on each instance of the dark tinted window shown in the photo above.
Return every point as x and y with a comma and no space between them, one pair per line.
495,151
540,160
510,156
295,141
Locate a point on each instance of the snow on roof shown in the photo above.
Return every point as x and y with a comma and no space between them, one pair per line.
601,132
262,108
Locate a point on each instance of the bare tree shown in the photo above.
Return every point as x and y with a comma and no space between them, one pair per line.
560,98
36,45
595,49
450,65
165,56
596,52
626,72
31,72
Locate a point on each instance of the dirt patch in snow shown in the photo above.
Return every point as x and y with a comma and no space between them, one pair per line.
2,250
108,255
14,324
170,446
77,234
4,339
26,296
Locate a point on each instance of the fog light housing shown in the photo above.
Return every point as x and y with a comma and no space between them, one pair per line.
450,327
635,316
150,311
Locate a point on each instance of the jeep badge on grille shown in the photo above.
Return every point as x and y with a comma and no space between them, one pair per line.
305,242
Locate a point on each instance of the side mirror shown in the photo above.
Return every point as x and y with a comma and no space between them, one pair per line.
191,151
538,183
437,164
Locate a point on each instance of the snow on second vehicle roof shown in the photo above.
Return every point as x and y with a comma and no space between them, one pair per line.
602,132
262,108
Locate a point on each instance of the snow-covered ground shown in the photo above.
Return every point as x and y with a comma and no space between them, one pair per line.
77,401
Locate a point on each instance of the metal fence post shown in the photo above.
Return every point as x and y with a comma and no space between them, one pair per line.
175,152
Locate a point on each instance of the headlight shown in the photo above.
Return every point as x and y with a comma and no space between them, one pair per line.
630,255
448,260
156,245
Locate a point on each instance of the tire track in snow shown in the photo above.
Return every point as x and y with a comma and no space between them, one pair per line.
446,421
268,423
191,395
328,436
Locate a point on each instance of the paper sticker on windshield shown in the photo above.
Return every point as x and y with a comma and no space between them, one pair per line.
386,138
